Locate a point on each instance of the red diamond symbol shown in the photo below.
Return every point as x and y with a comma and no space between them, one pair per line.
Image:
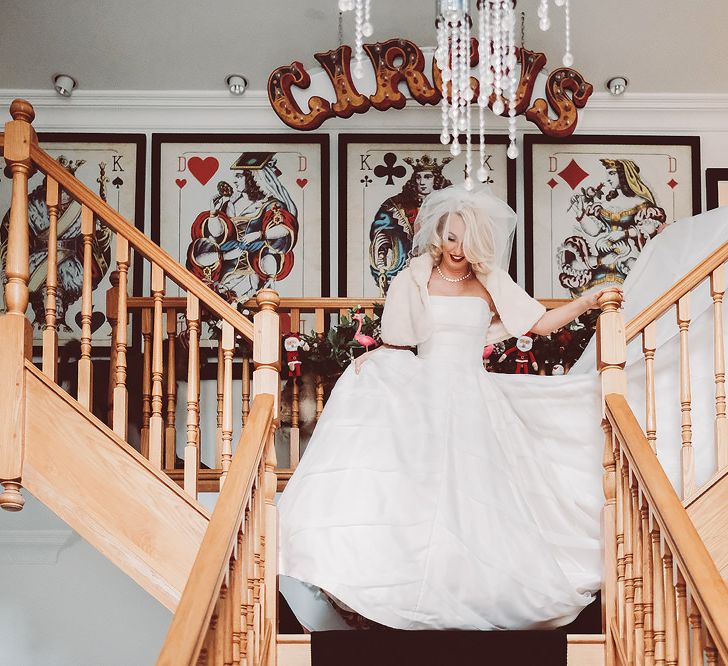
672,183
552,183
573,174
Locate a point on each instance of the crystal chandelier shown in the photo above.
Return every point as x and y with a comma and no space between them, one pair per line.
362,28
497,66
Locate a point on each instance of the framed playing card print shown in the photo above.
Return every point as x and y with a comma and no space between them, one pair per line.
111,165
716,188
383,180
592,202
245,211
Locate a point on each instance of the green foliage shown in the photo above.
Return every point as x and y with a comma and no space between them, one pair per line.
329,354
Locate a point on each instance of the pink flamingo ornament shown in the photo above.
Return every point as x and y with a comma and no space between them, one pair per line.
365,341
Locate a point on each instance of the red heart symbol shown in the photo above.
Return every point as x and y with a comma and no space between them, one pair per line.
201,169
302,182
181,182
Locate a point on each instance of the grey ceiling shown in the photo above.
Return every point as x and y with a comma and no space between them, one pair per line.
668,46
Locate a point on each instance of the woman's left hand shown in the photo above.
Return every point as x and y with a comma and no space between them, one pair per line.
591,301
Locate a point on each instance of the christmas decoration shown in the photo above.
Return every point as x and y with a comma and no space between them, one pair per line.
293,344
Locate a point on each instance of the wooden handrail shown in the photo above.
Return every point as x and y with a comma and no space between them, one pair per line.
175,271
196,607
329,303
683,286
689,551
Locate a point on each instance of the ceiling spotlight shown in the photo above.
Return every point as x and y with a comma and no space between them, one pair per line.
236,84
617,85
64,84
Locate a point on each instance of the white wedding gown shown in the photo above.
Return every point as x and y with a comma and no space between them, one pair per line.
436,495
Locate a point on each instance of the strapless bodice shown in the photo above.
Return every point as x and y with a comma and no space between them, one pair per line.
460,326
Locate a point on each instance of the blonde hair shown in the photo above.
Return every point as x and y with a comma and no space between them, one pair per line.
478,241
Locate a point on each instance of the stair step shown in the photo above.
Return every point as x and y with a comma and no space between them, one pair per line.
582,650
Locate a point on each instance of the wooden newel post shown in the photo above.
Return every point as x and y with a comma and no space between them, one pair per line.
266,379
611,358
15,329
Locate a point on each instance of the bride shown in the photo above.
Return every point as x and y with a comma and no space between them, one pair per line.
435,495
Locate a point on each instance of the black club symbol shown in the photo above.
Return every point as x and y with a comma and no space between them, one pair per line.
388,170
367,181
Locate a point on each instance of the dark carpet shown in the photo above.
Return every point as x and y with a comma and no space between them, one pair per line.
438,648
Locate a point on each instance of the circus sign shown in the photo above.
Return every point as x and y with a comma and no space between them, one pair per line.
397,72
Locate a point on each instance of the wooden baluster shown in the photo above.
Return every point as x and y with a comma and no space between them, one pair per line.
246,383
170,431
711,653
210,639
649,342
670,610
609,530
629,628
647,578
319,323
255,542
296,320
696,636
85,368
236,597
621,612
146,380
192,448
683,631
156,422
220,399
227,624
228,344
50,328
658,607
319,382
717,290
250,584
216,647
295,432
688,467
295,437
253,616
15,330
639,627
120,418
112,312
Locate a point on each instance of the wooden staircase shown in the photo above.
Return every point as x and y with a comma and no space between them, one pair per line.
664,601
138,518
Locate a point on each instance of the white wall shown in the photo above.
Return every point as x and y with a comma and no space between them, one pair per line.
80,610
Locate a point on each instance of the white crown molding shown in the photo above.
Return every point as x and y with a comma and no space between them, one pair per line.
258,99
218,111
33,546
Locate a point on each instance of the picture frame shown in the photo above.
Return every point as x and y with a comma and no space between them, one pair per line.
592,202
245,211
716,188
112,165
384,177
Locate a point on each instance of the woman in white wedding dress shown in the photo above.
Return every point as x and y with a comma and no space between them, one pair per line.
434,495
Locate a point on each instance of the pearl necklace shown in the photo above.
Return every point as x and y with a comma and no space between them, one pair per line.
448,279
